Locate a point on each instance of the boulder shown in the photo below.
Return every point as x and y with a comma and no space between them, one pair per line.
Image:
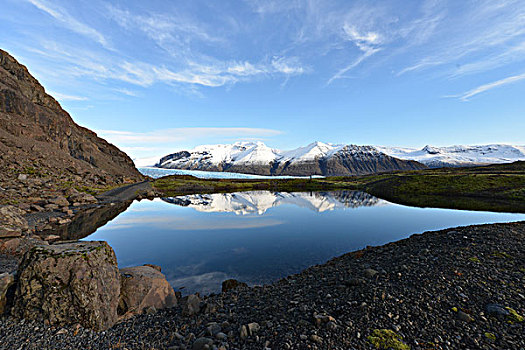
69,283
143,287
232,284
12,221
191,305
6,281
60,201
82,198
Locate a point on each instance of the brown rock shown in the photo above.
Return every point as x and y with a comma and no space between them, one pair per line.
143,287
191,305
60,201
68,284
12,221
156,267
19,246
232,284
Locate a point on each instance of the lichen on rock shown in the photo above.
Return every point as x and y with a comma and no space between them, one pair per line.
69,283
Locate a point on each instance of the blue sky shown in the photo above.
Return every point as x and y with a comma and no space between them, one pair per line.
153,76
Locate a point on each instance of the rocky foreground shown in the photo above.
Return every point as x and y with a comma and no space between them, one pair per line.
459,288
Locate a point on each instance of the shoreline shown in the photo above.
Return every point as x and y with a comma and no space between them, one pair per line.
431,288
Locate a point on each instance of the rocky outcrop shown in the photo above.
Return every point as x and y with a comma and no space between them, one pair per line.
38,139
144,288
69,283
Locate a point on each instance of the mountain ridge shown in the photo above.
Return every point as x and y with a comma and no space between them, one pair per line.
317,158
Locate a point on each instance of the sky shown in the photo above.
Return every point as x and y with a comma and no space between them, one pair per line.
154,77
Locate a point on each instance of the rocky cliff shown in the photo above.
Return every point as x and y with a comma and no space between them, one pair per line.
38,137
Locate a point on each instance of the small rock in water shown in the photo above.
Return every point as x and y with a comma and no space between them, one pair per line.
232,284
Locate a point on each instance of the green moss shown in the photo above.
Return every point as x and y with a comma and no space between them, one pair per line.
387,339
474,259
514,316
490,336
502,255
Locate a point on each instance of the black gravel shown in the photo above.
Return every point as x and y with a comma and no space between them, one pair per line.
447,289
7,263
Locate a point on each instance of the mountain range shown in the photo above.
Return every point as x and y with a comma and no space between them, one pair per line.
317,158
327,159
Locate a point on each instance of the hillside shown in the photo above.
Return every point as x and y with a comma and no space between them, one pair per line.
38,139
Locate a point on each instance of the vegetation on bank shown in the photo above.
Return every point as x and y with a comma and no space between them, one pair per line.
495,188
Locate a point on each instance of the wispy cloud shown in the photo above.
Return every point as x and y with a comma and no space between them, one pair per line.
182,134
62,16
64,97
485,87
483,34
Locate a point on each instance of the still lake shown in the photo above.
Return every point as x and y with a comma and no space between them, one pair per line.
258,237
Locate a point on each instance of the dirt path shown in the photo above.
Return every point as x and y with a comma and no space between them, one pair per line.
126,193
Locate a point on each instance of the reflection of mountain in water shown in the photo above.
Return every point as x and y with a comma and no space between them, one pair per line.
260,201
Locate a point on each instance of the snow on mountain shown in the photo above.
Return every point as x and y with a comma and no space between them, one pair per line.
458,155
311,152
258,202
215,155
257,153
317,158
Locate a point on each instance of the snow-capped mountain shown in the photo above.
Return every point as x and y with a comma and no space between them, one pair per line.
258,202
457,156
317,158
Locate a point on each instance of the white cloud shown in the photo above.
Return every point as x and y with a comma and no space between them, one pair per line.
485,35
485,87
64,97
181,134
70,22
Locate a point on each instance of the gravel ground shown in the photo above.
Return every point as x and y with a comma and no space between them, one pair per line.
7,264
460,288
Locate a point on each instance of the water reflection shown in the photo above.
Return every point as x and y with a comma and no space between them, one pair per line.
259,237
258,202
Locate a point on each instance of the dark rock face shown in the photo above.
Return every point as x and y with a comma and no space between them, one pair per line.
36,131
69,283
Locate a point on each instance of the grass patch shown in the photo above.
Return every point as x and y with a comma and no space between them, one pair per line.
491,188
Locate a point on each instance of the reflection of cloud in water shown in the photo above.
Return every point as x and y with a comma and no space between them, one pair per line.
185,224
206,283
258,202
